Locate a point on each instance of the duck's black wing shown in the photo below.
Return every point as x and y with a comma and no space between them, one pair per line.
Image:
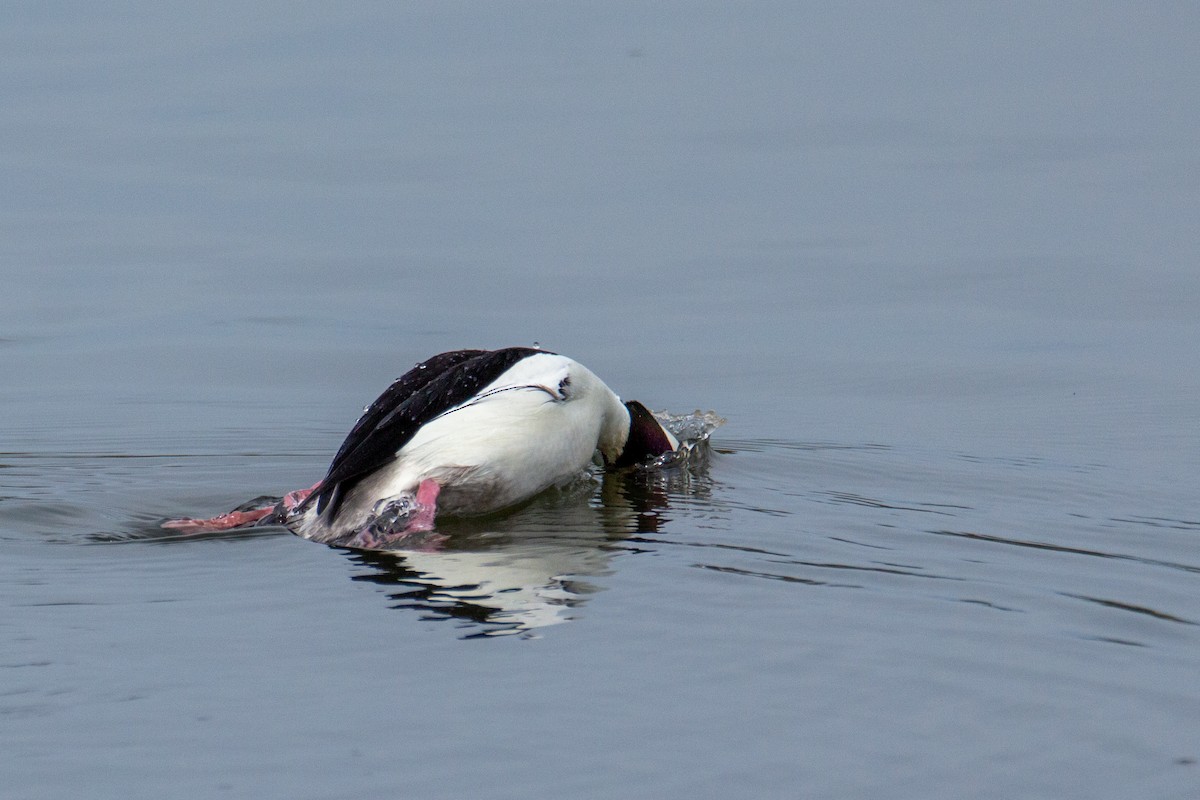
425,391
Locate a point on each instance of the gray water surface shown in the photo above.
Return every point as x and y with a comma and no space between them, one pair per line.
935,264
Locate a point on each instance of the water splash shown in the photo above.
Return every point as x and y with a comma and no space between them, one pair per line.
692,430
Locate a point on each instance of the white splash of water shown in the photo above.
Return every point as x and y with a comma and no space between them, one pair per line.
692,430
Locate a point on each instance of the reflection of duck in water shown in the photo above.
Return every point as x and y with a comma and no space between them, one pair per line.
531,568
504,580
467,432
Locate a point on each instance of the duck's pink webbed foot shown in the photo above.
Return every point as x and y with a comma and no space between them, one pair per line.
221,522
239,519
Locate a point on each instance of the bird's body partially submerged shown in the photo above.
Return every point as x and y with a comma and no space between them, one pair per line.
471,432
466,432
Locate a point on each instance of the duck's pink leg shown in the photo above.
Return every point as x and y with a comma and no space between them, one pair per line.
293,499
418,521
427,495
237,519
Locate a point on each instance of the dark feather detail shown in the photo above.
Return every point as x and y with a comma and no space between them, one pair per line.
427,390
647,439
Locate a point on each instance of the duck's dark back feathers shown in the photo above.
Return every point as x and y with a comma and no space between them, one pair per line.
418,396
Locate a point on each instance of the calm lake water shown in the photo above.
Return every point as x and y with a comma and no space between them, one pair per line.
937,265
